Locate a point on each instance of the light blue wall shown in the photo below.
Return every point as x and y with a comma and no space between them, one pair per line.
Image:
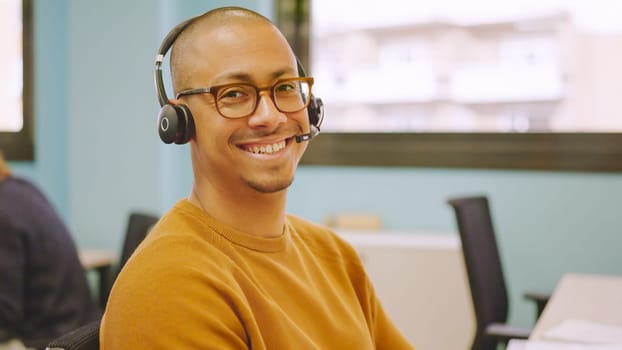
50,109
98,156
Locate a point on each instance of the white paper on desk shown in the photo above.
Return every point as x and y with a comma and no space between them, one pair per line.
573,330
548,345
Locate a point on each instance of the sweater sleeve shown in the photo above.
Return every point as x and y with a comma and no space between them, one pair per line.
186,306
386,334
383,331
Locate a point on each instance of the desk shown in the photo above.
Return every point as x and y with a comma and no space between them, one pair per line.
100,261
596,298
420,279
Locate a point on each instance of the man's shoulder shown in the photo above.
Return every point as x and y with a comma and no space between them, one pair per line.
311,230
169,258
299,221
321,238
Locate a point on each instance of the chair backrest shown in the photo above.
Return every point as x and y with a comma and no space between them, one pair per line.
138,226
482,262
83,338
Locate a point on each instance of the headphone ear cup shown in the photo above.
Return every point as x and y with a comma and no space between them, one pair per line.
175,124
187,130
315,111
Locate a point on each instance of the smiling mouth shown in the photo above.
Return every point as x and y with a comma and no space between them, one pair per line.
270,148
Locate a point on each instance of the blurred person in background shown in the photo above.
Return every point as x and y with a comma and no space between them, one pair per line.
43,288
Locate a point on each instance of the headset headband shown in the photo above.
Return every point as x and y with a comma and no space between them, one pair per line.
164,47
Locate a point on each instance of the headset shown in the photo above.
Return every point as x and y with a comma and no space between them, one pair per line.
176,123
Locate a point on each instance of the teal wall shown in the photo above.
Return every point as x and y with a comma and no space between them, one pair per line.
50,109
98,156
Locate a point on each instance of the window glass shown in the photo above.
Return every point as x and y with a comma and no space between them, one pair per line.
468,66
16,119
11,66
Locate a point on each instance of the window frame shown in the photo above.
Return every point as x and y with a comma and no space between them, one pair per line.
584,152
20,145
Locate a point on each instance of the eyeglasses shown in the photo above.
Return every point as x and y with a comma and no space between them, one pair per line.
239,100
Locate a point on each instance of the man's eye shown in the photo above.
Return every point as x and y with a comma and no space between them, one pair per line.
233,94
284,87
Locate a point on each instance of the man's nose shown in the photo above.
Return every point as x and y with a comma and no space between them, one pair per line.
266,114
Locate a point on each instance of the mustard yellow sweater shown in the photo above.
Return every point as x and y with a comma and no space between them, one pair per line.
197,284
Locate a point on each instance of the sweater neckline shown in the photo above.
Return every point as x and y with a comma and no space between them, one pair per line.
237,237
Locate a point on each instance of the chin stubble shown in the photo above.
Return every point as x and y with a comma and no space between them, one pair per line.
270,187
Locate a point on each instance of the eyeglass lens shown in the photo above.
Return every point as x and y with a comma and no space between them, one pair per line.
240,100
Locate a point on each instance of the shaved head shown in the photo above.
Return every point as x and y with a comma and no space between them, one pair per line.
183,58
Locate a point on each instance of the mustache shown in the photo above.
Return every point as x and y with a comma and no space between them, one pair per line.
283,131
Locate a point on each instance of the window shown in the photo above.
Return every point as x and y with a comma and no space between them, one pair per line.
16,141
480,83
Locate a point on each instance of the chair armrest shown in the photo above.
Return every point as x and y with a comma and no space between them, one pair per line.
539,298
503,332
83,338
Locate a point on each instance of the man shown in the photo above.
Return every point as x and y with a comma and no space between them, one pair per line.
43,288
226,268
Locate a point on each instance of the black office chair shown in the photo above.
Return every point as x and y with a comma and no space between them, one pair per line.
83,338
138,226
485,275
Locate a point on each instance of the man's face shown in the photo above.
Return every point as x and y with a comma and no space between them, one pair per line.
225,151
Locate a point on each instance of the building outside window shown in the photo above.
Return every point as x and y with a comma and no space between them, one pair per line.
468,66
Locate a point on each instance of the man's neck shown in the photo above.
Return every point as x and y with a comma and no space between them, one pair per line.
259,214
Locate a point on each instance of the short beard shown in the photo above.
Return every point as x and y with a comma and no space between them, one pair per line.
272,187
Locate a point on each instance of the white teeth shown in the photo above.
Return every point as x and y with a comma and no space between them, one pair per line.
267,149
